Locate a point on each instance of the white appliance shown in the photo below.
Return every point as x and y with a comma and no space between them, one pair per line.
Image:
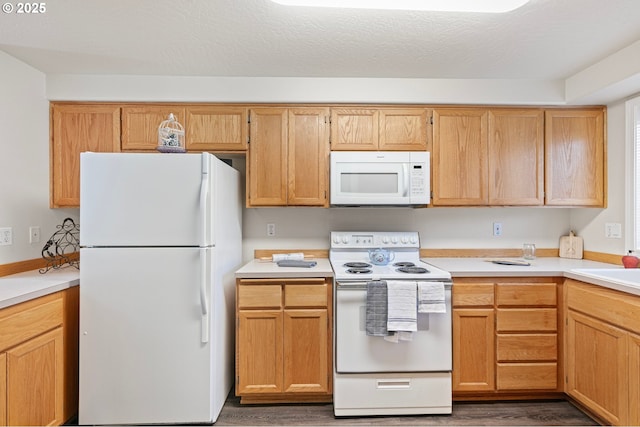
373,376
380,178
160,238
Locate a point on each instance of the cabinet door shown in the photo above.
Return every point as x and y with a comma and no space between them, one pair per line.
78,128
473,350
354,129
634,380
267,170
308,161
404,129
3,389
597,374
460,163
259,355
140,125
35,386
516,144
574,157
216,128
306,366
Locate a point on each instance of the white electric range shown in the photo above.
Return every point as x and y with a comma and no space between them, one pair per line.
372,375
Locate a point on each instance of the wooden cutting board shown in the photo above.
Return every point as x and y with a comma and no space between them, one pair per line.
571,246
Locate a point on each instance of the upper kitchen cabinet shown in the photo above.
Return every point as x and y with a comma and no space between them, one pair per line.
516,157
288,157
388,129
575,157
77,128
488,157
140,125
216,128
459,161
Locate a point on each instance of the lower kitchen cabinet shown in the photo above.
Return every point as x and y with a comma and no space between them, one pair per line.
283,340
505,337
602,352
38,383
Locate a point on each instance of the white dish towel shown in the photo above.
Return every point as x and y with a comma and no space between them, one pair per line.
431,297
402,302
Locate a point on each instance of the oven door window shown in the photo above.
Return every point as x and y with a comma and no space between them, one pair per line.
430,349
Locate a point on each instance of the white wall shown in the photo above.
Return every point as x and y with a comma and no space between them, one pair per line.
24,160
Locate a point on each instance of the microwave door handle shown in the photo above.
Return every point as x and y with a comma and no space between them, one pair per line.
405,172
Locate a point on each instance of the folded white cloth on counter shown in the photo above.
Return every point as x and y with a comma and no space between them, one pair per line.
431,297
402,313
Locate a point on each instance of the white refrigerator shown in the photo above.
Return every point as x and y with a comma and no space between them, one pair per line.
160,238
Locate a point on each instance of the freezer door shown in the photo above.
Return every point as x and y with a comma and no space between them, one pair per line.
142,356
139,199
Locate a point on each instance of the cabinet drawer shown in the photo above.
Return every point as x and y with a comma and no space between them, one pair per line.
260,296
523,294
472,294
527,319
527,376
29,319
527,347
305,295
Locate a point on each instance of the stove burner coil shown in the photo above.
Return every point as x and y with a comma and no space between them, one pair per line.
358,270
404,264
357,265
412,270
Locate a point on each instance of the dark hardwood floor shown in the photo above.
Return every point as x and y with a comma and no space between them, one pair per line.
556,413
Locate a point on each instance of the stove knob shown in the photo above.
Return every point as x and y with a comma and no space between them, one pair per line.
394,240
404,240
385,240
345,239
336,239
414,239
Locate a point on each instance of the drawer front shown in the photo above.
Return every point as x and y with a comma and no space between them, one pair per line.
526,294
527,319
260,296
527,347
24,321
472,294
527,376
305,296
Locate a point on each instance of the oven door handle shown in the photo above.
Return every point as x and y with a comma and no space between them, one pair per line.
351,286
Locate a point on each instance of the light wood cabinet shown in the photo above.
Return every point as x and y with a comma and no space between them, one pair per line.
140,125
216,128
575,171
380,129
505,337
527,336
75,129
488,157
602,348
288,157
283,340
516,157
38,380
473,337
460,157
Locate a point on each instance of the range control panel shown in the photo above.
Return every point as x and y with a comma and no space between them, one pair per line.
377,239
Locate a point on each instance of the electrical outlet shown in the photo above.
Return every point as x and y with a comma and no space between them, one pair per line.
497,229
6,236
271,230
34,234
613,230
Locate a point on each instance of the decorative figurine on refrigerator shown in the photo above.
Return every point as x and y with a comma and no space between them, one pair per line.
171,136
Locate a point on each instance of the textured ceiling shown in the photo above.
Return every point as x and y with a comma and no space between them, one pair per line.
545,39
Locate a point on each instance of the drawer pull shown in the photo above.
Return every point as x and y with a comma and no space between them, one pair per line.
394,384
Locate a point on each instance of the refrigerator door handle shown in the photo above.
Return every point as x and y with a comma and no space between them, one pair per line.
204,300
204,201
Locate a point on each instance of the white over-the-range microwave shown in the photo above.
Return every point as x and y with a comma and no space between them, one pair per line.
380,178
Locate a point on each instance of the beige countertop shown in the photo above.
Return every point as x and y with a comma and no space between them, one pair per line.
266,270
21,287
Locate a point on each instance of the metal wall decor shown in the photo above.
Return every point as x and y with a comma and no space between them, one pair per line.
61,246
